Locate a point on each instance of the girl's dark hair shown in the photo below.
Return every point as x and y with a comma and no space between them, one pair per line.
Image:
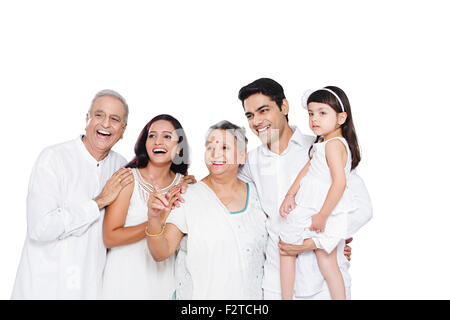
348,129
180,163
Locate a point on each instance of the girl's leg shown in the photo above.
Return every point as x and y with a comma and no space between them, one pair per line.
330,270
287,273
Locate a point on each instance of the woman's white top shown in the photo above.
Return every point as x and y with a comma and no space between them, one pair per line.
310,198
64,255
130,271
222,255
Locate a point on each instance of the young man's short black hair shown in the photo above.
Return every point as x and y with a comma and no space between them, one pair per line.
265,86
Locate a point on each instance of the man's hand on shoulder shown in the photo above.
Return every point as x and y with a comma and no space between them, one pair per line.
119,180
187,180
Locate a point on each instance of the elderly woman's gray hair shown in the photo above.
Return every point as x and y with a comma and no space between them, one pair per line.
236,131
114,94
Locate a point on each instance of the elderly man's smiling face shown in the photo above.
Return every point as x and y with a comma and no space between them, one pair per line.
105,125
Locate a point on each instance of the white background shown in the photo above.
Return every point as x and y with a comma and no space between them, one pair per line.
190,58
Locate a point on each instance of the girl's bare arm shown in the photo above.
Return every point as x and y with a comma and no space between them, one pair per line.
336,155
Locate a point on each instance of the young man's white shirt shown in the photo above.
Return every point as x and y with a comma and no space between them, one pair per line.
64,255
273,175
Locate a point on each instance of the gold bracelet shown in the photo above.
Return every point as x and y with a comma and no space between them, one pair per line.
148,234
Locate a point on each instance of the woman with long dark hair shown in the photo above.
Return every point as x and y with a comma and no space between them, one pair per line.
161,160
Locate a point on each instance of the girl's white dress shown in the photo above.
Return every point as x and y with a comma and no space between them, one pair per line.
309,200
130,271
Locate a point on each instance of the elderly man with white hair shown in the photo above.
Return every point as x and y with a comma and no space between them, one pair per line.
70,185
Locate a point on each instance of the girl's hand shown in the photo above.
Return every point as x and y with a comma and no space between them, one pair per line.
318,223
287,206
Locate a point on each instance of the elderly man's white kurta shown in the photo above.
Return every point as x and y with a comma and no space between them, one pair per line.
64,255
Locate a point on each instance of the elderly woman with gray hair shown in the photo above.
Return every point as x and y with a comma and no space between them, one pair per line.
221,224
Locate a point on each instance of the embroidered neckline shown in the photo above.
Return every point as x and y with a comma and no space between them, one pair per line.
146,188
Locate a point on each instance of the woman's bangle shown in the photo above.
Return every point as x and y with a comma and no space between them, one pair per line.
290,194
148,234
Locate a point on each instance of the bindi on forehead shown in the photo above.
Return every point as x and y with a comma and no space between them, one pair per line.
213,140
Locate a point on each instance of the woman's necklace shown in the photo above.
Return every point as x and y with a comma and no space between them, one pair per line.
146,188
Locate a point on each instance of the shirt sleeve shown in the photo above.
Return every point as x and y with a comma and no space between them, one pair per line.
178,218
245,173
47,218
363,214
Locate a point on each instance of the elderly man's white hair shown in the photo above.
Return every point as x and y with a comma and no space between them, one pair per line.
114,94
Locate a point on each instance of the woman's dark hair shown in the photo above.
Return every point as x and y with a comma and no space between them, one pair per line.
348,129
267,87
180,163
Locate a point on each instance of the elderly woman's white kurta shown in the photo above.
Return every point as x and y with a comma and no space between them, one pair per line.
224,254
64,255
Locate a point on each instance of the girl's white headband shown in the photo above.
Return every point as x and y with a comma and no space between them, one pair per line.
310,92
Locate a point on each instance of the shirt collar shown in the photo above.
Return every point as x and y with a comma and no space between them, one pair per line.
300,138
297,138
86,153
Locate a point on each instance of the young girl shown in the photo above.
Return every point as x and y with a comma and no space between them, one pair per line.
323,201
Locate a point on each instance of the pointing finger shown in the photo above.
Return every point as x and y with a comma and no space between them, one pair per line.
161,198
